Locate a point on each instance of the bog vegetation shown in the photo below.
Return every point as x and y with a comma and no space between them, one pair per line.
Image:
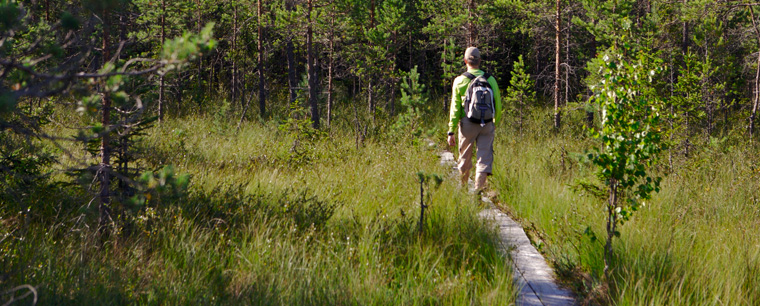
276,152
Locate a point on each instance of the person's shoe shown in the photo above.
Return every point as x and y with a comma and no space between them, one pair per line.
481,181
464,179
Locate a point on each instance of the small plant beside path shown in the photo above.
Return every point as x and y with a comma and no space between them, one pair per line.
630,141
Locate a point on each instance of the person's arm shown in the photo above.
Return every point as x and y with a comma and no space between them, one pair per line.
496,98
456,111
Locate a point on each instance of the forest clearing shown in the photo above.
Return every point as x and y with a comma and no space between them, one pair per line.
286,152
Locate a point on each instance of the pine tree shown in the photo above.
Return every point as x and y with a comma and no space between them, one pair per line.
520,92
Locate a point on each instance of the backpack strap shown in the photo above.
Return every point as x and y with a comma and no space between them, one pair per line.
469,75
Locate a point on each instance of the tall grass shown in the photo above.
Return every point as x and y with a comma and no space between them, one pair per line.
268,221
693,244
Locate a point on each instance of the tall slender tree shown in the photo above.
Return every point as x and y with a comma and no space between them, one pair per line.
756,89
161,85
557,64
104,169
312,69
260,58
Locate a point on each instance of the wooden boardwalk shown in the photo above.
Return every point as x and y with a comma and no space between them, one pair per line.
532,274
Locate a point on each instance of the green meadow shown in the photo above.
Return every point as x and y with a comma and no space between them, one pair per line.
265,220
694,243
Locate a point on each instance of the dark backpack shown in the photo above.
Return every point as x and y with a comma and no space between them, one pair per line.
478,101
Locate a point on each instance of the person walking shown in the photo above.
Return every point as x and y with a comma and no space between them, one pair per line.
475,108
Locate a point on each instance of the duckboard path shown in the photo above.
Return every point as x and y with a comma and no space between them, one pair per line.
533,276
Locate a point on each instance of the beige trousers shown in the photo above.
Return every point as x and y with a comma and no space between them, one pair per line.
473,135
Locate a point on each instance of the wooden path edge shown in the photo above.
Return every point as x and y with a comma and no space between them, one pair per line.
533,276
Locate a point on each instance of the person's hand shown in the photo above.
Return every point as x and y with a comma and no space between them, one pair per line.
451,140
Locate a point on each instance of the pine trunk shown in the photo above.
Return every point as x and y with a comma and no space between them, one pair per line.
312,73
292,82
590,114
234,83
469,24
684,36
756,96
161,86
104,170
567,63
756,102
557,53
200,59
370,103
707,96
330,79
262,95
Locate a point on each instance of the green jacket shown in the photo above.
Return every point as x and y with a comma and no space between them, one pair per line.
458,92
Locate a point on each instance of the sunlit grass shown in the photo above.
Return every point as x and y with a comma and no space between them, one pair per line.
257,227
693,244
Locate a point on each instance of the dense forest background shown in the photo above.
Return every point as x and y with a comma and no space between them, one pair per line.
336,53
345,60
108,108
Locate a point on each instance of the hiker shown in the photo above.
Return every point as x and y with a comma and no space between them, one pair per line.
475,108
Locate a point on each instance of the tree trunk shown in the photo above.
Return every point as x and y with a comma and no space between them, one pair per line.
611,226
200,59
370,103
670,118
707,95
124,137
593,39
312,69
557,53
161,86
123,167
752,116
292,82
211,77
590,114
757,82
520,115
393,98
104,174
470,40
123,33
330,77
685,36
234,83
411,51
567,63
262,95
